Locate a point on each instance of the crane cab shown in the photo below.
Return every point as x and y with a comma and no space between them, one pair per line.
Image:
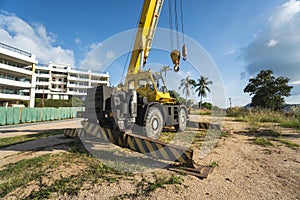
150,85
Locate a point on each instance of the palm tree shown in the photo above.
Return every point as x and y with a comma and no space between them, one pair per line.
186,84
202,88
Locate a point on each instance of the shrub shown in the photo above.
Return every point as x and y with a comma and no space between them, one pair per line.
74,102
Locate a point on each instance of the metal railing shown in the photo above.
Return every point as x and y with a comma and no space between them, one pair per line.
5,46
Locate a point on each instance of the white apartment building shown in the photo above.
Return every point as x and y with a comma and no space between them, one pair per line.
22,79
17,77
60,81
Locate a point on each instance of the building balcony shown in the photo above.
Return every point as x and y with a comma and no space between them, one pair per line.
15,70
69,85
14,83
43,83
41,91
76,93
43,75
81,86
99,81
59,75
58,82
17,53
72,71
73,78
14,97
58,90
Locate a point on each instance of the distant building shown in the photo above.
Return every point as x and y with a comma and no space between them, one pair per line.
17,77
59,81
22,79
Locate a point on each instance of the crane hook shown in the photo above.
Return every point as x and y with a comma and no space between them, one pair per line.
175,57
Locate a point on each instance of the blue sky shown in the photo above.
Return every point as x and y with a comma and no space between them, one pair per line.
242,37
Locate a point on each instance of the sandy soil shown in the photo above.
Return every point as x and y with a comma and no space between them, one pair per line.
245,171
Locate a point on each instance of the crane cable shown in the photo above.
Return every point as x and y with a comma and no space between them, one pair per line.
176,22
182,28
171,25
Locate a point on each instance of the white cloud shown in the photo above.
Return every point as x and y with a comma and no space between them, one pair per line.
94,60
272,43
285,13
34,38
278,46
295,82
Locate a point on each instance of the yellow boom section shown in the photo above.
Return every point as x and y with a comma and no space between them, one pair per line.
145,33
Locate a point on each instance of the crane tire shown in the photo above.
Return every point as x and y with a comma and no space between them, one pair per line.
154,123
182,120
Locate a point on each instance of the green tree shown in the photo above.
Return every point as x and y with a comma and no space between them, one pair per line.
177,96
186,84
268,91
207,105
202,88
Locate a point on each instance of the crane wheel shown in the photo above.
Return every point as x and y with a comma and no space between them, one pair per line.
154,123
182,120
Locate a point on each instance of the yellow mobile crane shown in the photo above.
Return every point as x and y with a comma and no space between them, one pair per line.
144,104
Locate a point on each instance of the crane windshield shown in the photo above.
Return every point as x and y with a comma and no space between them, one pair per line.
159,82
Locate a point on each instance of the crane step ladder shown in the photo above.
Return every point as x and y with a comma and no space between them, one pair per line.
185,157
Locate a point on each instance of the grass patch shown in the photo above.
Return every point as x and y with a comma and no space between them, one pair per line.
291,123
263,142
21,173
95,173
190,136
224,134
268,151
214,164
161,182
289,144
167,136
4,142
256,116
87,172
144,187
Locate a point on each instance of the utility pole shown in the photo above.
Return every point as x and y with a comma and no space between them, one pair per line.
229,102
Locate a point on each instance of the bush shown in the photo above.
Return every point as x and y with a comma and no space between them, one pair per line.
293,122
74,102
236,112
204,105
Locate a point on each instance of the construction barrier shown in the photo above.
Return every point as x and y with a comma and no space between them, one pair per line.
9,116
23,114
15,115
38,114
2,116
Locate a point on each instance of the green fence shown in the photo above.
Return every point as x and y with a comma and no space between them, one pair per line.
12,115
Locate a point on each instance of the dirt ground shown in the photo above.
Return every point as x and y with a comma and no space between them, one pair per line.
245,170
